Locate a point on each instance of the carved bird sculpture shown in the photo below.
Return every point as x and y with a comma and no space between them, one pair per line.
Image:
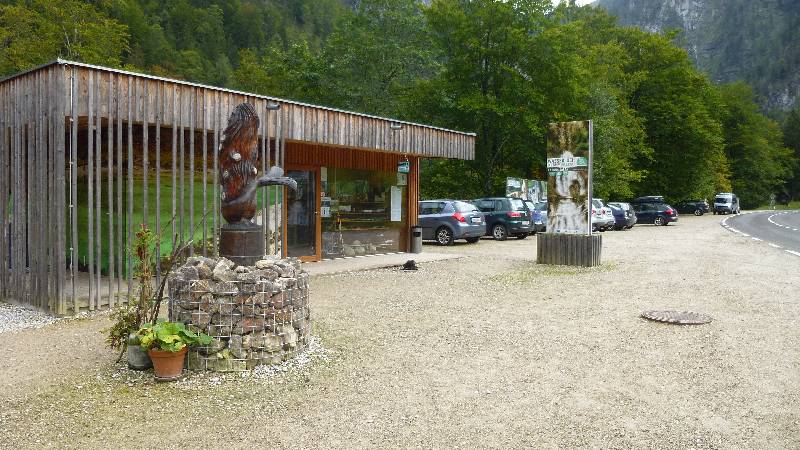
238,154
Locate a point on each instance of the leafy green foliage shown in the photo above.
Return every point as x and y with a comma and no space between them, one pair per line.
501,69
169,336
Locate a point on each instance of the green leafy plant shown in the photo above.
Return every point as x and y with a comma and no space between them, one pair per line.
169,336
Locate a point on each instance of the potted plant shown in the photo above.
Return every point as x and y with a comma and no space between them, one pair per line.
167,343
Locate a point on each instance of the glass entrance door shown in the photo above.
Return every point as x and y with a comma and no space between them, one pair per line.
302,218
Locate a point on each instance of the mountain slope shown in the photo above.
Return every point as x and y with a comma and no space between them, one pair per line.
732,40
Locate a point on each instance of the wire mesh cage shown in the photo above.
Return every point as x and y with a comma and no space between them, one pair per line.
261,317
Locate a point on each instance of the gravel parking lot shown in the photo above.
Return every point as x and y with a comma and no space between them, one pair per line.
489,350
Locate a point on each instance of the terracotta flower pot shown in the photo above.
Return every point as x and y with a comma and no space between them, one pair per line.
167,365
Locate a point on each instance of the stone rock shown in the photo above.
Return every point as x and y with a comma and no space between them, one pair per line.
206,303
249,277
235,346
251,340
215,346
242,269
290,282
288,336
226,263
269,342
201,287
227,287
204,271
250,310
188,273
222,273
200,319
265,264
225,304
248,325
197,260
280,300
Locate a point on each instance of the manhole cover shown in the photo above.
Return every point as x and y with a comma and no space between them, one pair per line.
677,317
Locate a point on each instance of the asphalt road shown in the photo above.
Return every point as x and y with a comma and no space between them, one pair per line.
780,229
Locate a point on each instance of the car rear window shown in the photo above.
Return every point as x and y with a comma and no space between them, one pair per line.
597,204
465,207
517,204
541,206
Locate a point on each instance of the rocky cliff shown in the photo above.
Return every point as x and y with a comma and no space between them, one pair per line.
754,41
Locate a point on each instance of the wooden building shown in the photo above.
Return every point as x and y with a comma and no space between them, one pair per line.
88,154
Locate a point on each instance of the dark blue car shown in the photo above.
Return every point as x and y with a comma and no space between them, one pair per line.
624,217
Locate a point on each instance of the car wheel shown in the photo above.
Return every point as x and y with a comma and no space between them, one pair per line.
658,221
473,240
499,233
698,212
444,236
521,236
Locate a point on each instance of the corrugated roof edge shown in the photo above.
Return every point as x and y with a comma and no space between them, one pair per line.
230,91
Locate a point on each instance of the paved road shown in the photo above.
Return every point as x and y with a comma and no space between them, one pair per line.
781,229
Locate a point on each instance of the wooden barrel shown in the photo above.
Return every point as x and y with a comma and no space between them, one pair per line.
569,249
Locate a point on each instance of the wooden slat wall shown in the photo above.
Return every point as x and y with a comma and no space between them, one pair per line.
304,122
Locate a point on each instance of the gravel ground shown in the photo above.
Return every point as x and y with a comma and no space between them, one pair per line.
14,317
489,350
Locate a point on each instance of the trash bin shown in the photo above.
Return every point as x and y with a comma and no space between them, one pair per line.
416,239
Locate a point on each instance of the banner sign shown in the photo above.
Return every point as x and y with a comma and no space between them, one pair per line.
533,190
569,184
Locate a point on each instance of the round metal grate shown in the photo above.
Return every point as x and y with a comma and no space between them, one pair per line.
677,317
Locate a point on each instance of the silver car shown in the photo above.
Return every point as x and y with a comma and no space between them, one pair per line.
447,220
602,217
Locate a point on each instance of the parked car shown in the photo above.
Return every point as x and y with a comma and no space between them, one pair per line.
602,217
649,199
447,220
538,212
655,213
505,217
726,203
624,216
696,207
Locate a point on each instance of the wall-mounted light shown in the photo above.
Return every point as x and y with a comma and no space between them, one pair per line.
273,106
396,126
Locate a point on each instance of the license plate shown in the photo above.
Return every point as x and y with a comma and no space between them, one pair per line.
476,220
526,222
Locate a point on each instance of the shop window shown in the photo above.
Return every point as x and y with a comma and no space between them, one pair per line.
363,212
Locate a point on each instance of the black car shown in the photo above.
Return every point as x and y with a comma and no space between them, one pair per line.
655,213
505,216
696,207
649,199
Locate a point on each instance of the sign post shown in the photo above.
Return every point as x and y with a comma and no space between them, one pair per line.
569,239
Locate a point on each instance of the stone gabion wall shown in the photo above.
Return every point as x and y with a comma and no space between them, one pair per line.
256,315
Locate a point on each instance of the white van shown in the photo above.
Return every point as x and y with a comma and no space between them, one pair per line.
726,203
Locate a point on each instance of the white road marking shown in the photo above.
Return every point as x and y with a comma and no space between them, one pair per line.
756,239
745,235
793,252
773,245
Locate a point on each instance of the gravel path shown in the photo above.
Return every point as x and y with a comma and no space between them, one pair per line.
489,350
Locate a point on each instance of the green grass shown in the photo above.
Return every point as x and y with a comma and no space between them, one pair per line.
163,229
792,205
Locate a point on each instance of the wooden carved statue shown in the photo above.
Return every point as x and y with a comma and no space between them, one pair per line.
238,155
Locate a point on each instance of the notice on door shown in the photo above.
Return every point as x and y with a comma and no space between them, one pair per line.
397,204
